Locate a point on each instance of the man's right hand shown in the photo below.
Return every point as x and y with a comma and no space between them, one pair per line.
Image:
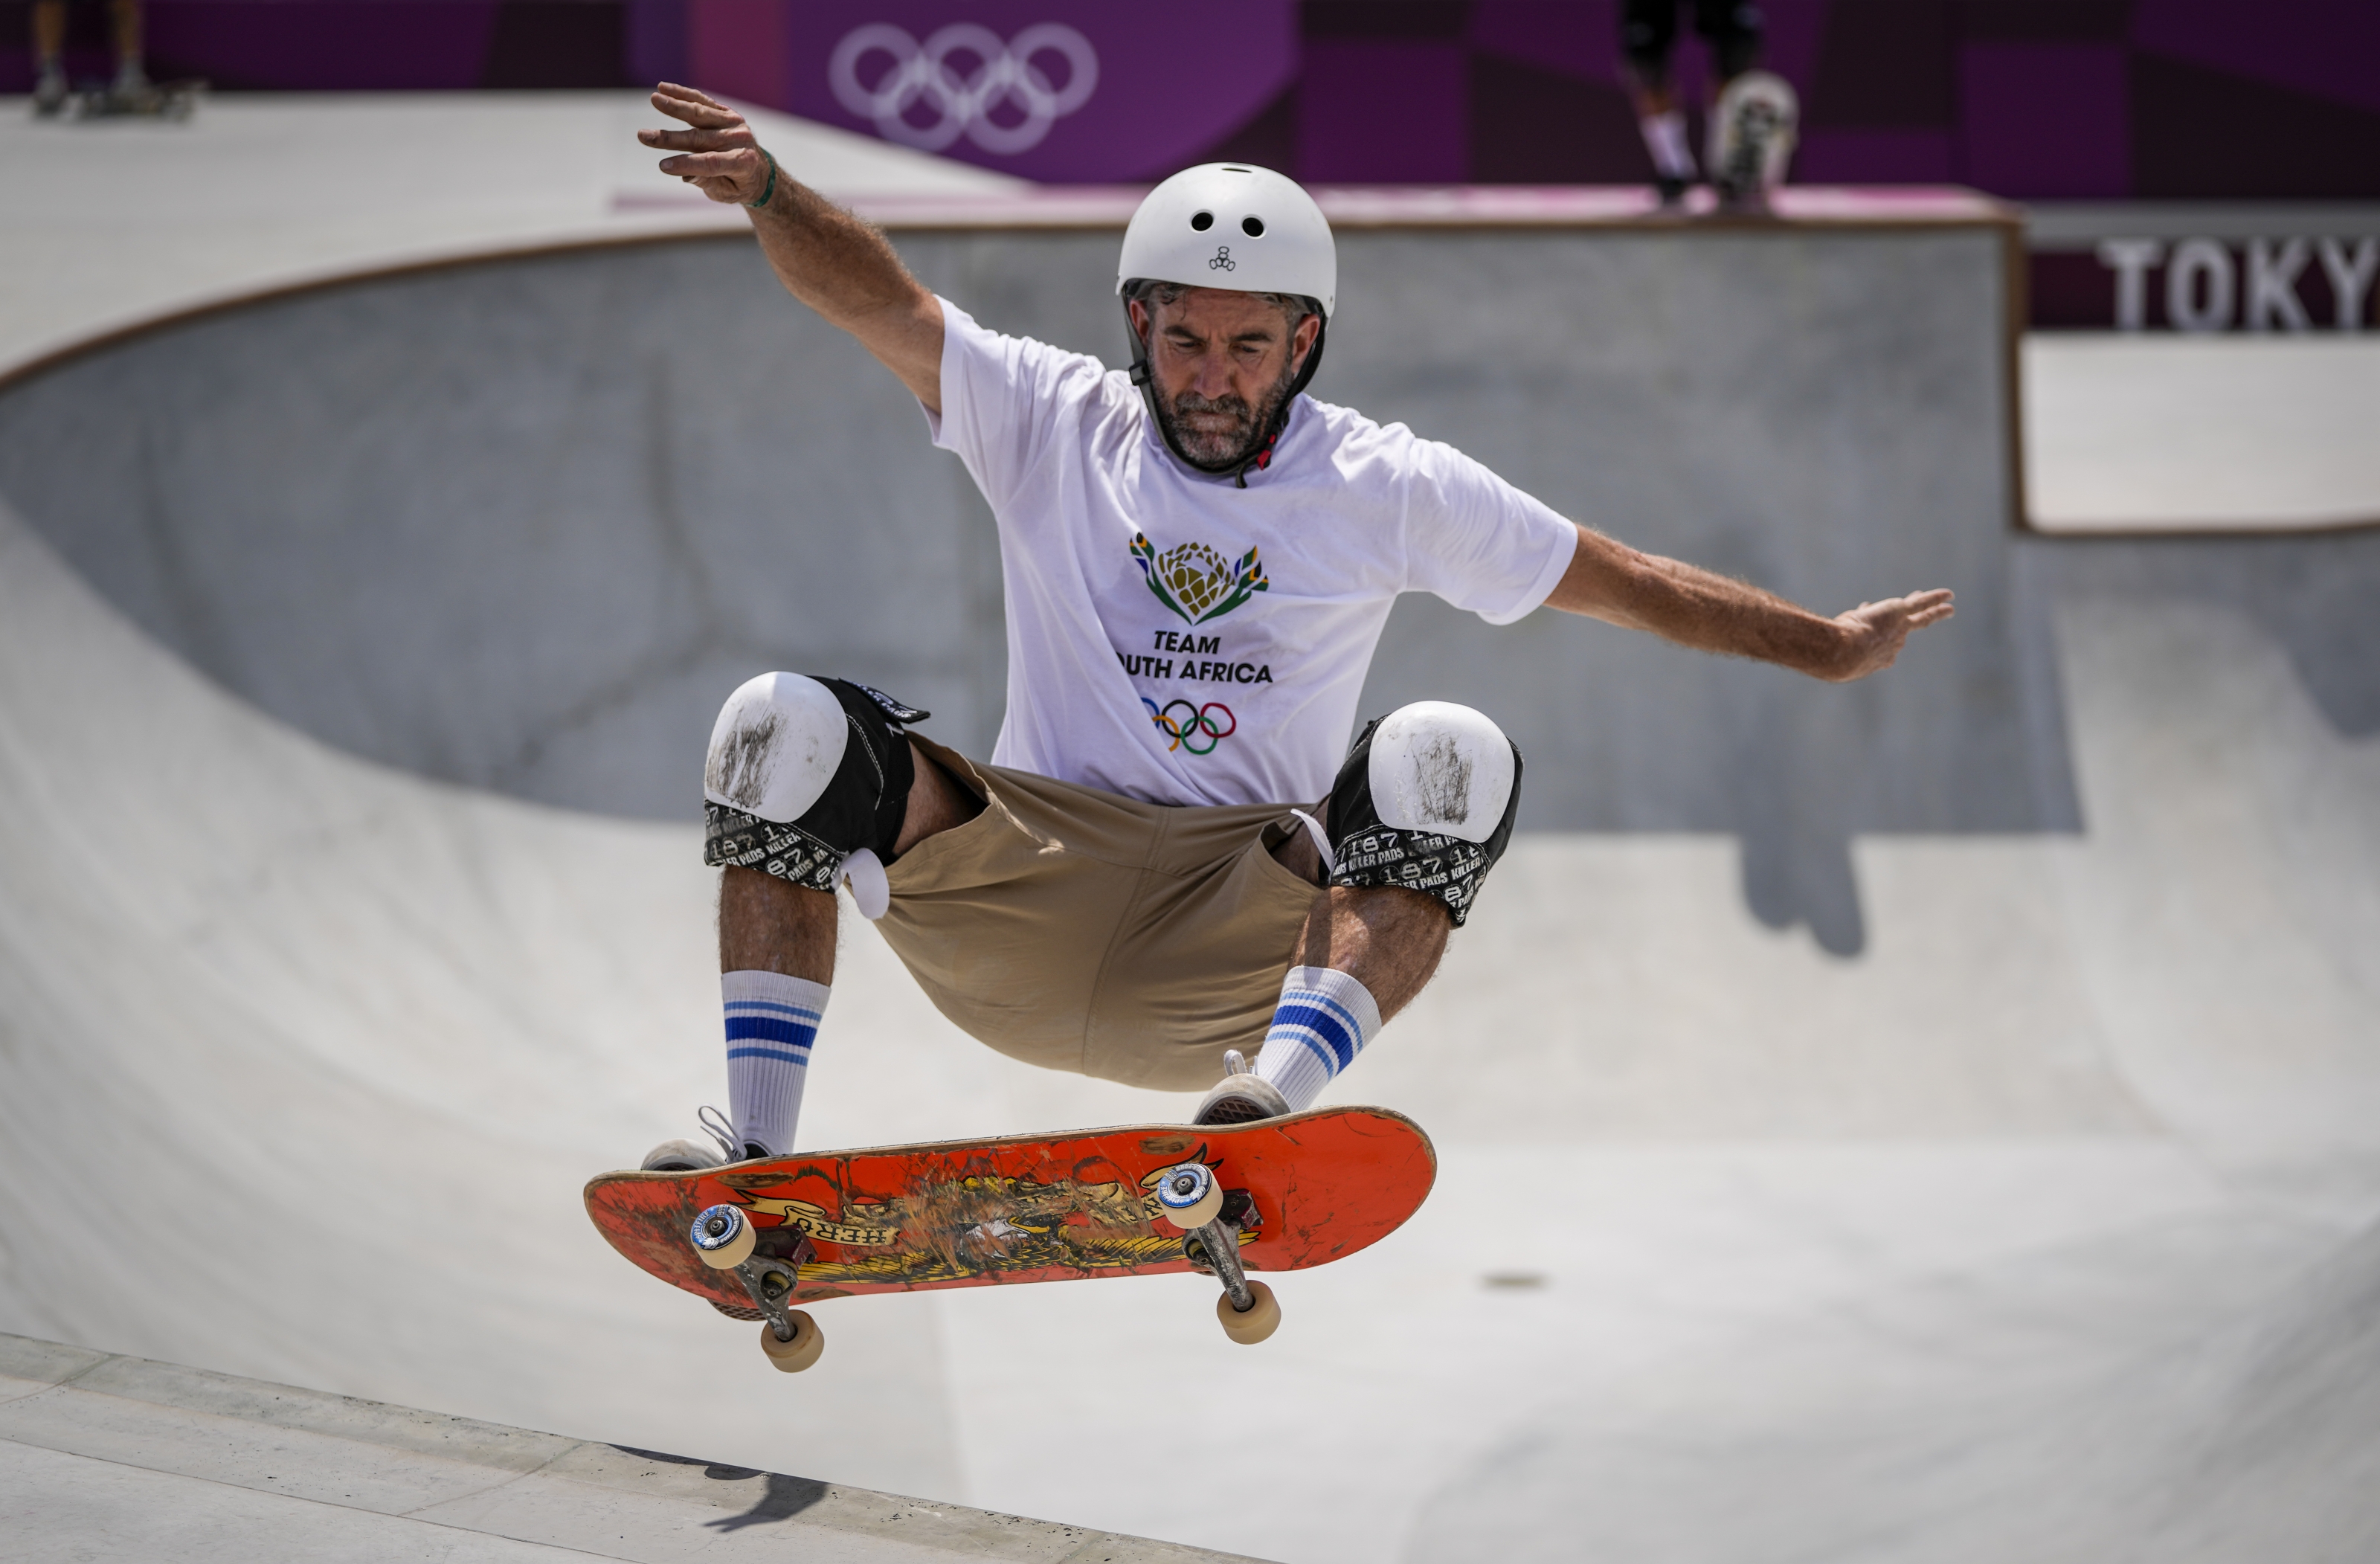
719,156
827,258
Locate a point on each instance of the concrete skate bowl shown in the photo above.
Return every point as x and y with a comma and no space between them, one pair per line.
356,646
519,526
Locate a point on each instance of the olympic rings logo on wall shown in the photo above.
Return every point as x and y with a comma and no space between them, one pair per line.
962,103
1196,722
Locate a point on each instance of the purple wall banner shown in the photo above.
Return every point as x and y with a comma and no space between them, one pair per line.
1051,89
2076,99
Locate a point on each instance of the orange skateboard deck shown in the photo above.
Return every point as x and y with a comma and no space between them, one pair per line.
1298,1191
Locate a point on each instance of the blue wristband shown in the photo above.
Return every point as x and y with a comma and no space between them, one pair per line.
770,189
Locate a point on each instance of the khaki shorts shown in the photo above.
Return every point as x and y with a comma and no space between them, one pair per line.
1080,930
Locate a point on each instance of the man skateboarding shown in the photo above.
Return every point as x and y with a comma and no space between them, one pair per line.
1168,859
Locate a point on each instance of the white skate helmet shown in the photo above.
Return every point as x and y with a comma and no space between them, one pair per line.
1232,226
1237,226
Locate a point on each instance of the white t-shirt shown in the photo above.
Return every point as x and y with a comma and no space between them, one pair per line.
1178,639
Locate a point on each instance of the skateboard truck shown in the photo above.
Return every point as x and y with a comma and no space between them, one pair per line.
726,1239
1209,1216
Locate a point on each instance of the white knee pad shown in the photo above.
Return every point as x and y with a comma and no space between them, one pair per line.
807,779
1425,802
1441,767
778,743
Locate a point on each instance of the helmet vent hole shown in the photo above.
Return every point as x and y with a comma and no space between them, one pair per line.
1251,227
1202,222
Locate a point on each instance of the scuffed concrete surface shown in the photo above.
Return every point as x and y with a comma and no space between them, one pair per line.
108,1456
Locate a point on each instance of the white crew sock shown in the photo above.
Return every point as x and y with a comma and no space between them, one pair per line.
771,1021
1665,137
1323,1021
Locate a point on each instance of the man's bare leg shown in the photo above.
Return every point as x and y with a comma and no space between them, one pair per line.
776,965
1365,950
1388,940
1362,956
1383,938
767,925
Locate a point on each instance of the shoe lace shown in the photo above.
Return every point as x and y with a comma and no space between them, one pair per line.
714,1124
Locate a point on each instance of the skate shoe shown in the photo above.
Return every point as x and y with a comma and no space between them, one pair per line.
50,94
717,1150
1242,1096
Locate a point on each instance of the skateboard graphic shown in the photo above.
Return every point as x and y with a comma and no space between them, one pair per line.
754,1238
1752,129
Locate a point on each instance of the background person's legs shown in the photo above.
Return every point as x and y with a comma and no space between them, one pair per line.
1648,34
51,88
1735,32
124,20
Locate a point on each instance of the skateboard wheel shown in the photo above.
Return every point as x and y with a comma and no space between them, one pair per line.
1261,1320
1189,1196
723,1238
801,1352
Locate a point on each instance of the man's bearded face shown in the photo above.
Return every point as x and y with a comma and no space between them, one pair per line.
1221,366
1219,433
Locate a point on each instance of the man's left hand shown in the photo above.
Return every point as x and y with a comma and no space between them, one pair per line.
1874,632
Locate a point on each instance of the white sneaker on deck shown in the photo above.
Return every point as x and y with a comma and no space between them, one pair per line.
1242,1096
717,1149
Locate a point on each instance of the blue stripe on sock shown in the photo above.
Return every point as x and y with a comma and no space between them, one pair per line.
1312,1045
769,1029
1347,1018
790,1058
811,1016
1344,1040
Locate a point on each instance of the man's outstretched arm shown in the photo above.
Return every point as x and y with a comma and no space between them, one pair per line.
830,260
1610,581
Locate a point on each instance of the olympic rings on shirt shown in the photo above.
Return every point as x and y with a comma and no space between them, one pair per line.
1196,721
963,104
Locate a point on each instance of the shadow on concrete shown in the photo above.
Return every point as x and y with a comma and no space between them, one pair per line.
781,1498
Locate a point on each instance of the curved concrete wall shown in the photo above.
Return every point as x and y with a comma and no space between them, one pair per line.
520,525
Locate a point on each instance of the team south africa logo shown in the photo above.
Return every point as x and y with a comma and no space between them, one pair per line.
1195,582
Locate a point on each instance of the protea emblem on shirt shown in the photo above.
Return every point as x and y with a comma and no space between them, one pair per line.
1194,581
